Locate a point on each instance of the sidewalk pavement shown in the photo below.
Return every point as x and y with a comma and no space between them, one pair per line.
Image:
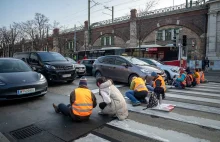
213,76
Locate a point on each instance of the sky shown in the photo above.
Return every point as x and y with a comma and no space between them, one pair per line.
71,12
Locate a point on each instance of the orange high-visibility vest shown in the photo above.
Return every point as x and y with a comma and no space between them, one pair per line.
163,85
198,78
83,104
139,84
202,77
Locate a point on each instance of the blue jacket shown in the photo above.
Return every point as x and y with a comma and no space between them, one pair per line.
181,78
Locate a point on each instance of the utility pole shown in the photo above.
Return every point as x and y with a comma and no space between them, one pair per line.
74,39
112,14
88,22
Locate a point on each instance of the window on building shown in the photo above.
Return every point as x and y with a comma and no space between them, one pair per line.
168,34
107,41
159,35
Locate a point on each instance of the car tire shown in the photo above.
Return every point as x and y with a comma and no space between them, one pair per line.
98,74
70,81
130,78
168,75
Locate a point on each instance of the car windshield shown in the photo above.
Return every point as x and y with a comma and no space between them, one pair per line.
11,66
71,60
51,56
157,62
136,61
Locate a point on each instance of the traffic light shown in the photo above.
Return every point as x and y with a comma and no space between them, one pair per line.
184,40
174,41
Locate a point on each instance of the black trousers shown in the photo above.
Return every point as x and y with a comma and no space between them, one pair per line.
141,95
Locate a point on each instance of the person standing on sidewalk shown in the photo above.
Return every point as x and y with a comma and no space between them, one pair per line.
113,101
206,64
82,102
138,91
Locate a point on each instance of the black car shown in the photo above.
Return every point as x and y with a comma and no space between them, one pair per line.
51,64
17,80
89,65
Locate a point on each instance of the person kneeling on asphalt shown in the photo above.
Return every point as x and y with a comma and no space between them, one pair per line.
197,76
113,101
82,102
180,82
138,91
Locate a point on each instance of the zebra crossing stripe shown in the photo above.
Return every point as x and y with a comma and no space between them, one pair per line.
208,100
209,87
91,138
177,117
194,107
207,90
153,132
193,92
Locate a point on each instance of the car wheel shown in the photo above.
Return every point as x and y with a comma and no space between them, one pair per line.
98,74
130,78
168,75
70,81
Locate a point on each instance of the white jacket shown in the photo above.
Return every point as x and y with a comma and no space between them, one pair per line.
116,103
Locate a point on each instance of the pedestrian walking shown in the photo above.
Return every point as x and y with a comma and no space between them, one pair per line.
82,102
113,101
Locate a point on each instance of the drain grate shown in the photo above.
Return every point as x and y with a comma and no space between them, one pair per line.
25,132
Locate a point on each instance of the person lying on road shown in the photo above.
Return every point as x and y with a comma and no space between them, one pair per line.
82,102
138,91
113,101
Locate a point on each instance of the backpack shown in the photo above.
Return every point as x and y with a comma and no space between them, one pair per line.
153,101
188,81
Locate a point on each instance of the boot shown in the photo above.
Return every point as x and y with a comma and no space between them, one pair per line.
56,108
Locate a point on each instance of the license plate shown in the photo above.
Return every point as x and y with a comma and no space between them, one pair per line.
80,70
67,75
25,91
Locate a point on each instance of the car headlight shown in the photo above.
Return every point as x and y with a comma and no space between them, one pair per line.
42,78
73,67
50,67
174,70
2,83
145,71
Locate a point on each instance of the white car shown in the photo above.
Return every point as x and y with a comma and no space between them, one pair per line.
80,68
171,71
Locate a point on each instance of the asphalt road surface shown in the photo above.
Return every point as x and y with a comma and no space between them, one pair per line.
196,117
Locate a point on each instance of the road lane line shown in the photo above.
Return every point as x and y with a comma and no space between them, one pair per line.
193,92
208,100
91,138
177,117
153,132
196,107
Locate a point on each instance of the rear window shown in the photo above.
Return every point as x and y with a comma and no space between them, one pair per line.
51,56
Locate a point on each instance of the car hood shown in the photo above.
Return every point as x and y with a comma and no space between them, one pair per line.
79,65
151,68
58,63
19,77
169,67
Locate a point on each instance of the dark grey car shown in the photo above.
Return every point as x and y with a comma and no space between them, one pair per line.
123,68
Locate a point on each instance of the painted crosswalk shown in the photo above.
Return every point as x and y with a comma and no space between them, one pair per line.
138,126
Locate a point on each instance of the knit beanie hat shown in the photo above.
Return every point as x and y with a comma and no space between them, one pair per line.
83,81
154,74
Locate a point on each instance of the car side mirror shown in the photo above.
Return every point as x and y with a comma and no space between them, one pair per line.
124,64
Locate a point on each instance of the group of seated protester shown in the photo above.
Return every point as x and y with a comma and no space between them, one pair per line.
188,78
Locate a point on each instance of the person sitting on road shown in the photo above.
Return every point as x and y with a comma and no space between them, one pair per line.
197,76
138,91
202,77
180,82
82,102
113,101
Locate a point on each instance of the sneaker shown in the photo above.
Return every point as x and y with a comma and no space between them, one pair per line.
56,108
136,104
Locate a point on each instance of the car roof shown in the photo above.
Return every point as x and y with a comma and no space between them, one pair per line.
35,52
8,58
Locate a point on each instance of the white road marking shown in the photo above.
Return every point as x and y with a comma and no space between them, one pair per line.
208,90
178,117
208,100
154,132
194,107
193,92
91,138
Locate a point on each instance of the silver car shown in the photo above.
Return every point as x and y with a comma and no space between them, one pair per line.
80,68
123,68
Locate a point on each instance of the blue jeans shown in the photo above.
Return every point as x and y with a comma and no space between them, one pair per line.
177,84
150,88
64,109
130,95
